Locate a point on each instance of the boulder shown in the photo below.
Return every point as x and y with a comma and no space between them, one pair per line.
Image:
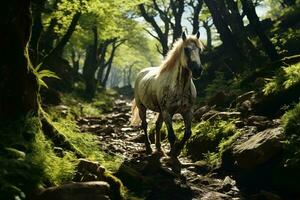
199,112
221,98
244,97
258,149
99,190
90,166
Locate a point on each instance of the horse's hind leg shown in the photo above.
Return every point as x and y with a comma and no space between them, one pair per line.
158,124
142,113
171,136
187,118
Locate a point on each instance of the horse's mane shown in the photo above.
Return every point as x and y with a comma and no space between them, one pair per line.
176,52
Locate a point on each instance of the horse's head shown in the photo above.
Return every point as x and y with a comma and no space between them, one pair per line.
192,49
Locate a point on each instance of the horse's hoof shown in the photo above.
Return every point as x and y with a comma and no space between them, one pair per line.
176,165
149,151
173,163
160,152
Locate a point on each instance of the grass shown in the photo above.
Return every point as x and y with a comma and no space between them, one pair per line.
28,159
86,143
101,103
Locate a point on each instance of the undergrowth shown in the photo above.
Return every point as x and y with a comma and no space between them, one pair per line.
210,139
101,103
27,160
291,126
87,143
285,78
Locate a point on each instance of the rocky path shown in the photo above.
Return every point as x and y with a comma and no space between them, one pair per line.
149,177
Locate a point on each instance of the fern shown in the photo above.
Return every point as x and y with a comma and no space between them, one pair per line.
285,78
41,74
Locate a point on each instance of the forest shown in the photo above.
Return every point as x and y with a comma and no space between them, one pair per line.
69,87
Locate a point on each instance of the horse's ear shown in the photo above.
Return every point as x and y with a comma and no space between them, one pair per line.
198,34
183,36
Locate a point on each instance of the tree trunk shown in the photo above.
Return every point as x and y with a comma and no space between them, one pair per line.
101,63
109,63
221,25
235,21
18,84
90,67
208,35
47,38
249,9
195,21
129,75
58,50
37,28
162,36
177,10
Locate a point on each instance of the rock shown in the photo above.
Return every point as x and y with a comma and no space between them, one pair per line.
265,195
239,123
200,112
208,114
99,190
90,166
132,177
219,99
258,149
257,118
215,196
244,97
245,106
227,184
224,115
261,122
106,130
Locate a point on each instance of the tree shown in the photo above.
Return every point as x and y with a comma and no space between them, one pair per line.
207,24
18,84
250,12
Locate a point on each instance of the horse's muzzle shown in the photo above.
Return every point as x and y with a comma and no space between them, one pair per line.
196,72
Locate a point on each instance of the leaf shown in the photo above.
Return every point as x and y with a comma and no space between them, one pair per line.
44,73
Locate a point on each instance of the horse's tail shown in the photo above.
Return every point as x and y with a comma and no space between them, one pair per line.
135,118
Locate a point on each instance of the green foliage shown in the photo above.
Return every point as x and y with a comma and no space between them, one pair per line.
210,137
285,78
291,125
221,83
41,74
212,159
102,102
86,143
27,159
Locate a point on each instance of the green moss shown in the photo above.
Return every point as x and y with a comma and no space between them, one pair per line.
115,185
210,139
291,125
86,143
27,159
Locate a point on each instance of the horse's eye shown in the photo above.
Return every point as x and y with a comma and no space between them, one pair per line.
187,51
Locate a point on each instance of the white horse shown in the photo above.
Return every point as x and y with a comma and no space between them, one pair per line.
169,89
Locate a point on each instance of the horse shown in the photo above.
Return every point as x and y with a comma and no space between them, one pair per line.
168,90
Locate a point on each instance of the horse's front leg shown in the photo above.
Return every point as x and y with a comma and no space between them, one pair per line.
158,124
142,113
187,118
167,117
